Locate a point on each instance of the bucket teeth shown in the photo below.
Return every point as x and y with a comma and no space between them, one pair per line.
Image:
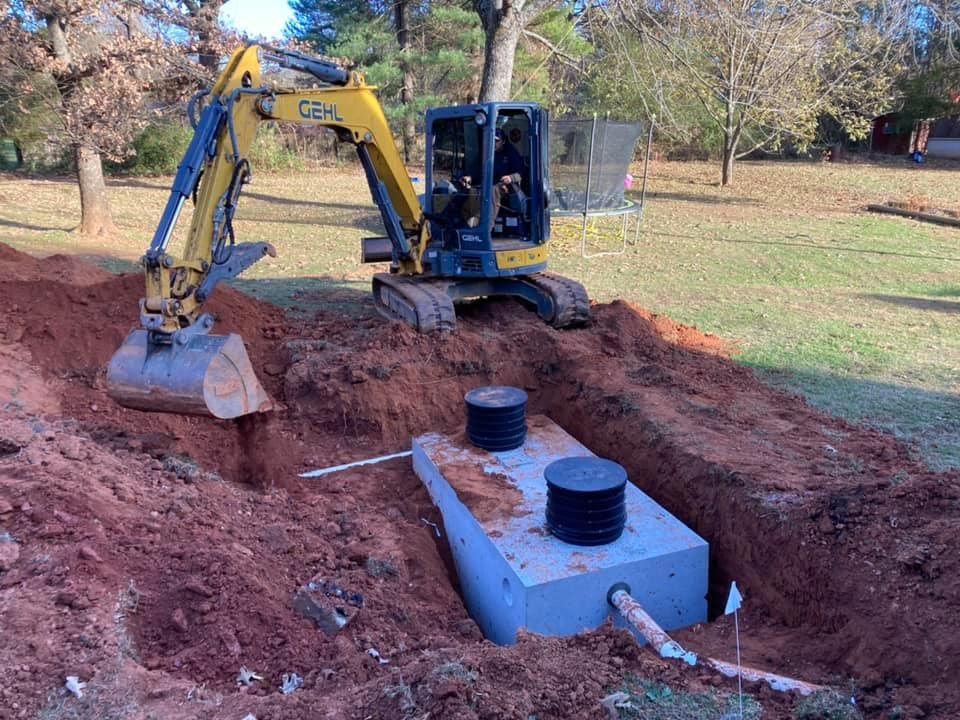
205,375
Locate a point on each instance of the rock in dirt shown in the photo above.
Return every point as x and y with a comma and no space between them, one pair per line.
14,436
198,588
70,447
75,686
179,620
230,643
328,605
71,599
9,552
88,553
5,507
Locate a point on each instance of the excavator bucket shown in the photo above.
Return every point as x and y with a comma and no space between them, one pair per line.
198,374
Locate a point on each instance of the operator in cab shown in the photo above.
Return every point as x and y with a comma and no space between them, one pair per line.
507,171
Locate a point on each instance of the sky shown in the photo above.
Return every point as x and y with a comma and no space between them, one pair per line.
257,18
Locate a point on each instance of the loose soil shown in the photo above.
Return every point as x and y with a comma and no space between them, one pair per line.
153,556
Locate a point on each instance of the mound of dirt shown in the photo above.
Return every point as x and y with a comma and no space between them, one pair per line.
154,556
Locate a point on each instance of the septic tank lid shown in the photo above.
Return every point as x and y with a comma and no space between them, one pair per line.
586,502
496,417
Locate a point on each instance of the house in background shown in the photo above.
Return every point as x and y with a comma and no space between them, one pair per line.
892,135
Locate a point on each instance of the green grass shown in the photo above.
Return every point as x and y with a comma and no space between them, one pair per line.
643,700
858,312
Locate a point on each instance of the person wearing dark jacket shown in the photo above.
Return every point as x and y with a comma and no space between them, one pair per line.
507,170
507,163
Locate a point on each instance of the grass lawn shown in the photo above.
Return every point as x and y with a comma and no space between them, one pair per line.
859,312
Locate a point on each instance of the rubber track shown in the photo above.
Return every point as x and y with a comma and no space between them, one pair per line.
430,302
570,300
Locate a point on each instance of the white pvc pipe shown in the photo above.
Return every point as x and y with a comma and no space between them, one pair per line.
634,614
358,463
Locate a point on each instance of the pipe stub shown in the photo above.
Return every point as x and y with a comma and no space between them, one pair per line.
615,588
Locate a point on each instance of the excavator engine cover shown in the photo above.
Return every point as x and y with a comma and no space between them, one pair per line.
196,373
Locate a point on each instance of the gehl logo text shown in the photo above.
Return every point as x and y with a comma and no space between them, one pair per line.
316,110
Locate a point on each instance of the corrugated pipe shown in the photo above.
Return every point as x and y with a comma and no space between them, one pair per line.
619,596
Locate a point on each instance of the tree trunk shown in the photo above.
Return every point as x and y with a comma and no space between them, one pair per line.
206,15
95,217
731,137
729,153
406,91
503,34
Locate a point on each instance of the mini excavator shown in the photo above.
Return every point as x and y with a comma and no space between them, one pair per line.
471,237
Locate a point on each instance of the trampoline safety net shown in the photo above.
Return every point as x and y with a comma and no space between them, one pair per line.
589,162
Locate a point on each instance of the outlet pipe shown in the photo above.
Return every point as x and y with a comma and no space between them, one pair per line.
619,597
358,463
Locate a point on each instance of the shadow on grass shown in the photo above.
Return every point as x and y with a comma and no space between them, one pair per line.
368,223
116,265
809,245
303,297
309,203
158,183
28,226
915,303
927,419
705,199
161,184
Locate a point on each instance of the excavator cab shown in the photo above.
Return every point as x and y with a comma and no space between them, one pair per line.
483,227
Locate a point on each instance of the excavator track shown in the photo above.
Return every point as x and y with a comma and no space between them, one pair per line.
571,305
422,304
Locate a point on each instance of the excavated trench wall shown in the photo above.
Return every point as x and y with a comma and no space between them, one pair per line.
841,539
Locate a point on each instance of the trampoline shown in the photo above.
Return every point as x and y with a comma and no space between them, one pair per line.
590,170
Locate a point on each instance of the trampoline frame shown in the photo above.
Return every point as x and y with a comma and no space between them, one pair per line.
627,209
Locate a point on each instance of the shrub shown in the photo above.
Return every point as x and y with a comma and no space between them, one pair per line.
159,149
269,152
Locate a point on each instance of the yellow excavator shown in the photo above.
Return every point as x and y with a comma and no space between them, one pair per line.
474,235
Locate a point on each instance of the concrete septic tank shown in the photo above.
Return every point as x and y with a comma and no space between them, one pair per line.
515,574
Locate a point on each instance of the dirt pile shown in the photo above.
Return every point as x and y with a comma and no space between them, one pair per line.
154,556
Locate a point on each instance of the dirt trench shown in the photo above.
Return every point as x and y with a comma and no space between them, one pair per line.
162,551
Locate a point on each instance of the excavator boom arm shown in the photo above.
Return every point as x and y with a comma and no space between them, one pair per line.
215,168
174,364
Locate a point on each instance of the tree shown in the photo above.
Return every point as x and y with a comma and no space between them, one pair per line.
322,24
95,67
551,59
401,25
504,22
97,63
204,21
765,71
419,54
931,87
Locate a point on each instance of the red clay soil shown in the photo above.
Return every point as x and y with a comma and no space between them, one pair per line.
153,556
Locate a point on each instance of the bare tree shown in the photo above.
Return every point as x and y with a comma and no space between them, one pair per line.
203,19
763,71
